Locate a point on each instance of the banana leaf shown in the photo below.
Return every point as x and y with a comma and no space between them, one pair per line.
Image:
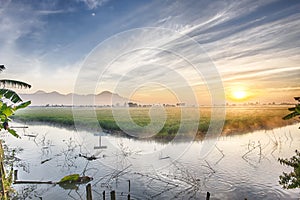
291,115
14,83
13,132
22,105
11,95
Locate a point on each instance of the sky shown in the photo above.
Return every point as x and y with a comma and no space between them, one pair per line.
155,51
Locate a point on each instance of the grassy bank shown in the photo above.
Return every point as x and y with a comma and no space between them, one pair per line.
238,119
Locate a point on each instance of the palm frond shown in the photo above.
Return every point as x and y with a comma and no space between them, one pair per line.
2,68
14,83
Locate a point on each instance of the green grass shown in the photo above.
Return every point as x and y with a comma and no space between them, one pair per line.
238,119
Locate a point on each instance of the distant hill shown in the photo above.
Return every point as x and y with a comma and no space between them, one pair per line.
41,98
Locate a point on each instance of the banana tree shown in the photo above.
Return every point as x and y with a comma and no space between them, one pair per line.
10,101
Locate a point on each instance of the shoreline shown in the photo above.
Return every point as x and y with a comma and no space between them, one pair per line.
162,138
237,121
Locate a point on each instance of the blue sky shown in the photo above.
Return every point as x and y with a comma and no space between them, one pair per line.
254,45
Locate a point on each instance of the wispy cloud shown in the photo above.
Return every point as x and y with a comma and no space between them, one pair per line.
53,12
12,23
93,4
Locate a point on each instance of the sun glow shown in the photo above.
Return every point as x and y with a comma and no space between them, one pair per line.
239,95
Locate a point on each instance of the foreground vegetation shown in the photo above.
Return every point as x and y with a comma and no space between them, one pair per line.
238,119
291,180
10,102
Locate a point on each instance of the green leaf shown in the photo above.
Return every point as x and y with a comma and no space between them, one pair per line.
13,132
291,115
22,105
70,178
11,95
8,94
297,108
3,91
8,111
2,117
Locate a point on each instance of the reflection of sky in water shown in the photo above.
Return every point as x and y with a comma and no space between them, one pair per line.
238,167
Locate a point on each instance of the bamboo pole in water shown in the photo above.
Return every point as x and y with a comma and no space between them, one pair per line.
34,182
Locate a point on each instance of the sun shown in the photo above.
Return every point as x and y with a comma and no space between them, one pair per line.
239,94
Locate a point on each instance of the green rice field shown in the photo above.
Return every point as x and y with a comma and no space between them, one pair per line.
238,119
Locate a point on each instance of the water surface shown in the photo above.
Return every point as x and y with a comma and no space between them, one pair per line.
237,167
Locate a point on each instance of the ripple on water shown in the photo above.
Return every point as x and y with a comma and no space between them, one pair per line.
221,186
269,192
251,191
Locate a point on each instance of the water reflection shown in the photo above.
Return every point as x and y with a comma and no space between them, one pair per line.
241,166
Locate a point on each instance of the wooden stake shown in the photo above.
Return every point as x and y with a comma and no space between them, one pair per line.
128,196
207,196
113,195
129,186
89,192
15,175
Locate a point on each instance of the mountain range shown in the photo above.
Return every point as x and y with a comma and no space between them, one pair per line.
41,98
